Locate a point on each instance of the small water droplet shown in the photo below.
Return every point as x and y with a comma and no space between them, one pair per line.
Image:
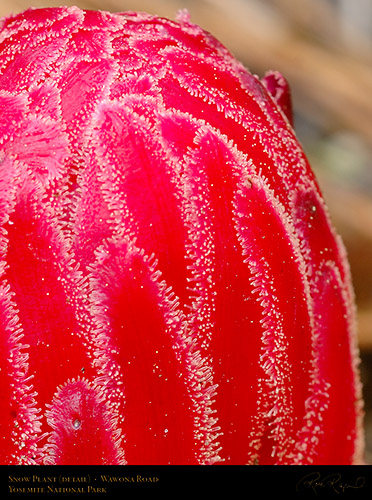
76,424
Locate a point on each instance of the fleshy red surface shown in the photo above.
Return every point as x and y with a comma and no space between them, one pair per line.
172,290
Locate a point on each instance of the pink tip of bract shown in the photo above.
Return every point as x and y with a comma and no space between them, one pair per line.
83,429
278,87
183,16
172,289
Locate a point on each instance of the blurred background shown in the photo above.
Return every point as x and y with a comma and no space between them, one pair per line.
324,49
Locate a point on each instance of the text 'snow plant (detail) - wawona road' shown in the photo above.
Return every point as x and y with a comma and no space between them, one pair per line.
171,288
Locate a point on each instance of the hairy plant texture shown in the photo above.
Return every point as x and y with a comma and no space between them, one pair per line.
171,288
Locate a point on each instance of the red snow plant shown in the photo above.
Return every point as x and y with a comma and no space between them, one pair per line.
171,288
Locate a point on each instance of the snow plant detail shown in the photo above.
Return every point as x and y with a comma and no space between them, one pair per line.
171,288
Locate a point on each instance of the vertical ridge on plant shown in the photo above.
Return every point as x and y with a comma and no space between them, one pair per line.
171,282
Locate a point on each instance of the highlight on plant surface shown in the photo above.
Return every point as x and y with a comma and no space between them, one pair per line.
172,290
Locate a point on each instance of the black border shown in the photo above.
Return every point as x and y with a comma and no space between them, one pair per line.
243,482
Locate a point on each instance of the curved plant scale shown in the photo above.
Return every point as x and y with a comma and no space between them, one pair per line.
172,289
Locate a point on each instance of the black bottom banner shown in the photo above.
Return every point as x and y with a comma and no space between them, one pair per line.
243,482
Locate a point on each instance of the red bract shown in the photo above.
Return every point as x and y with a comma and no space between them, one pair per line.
172,290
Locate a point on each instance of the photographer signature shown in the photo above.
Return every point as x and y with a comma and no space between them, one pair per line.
334,482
